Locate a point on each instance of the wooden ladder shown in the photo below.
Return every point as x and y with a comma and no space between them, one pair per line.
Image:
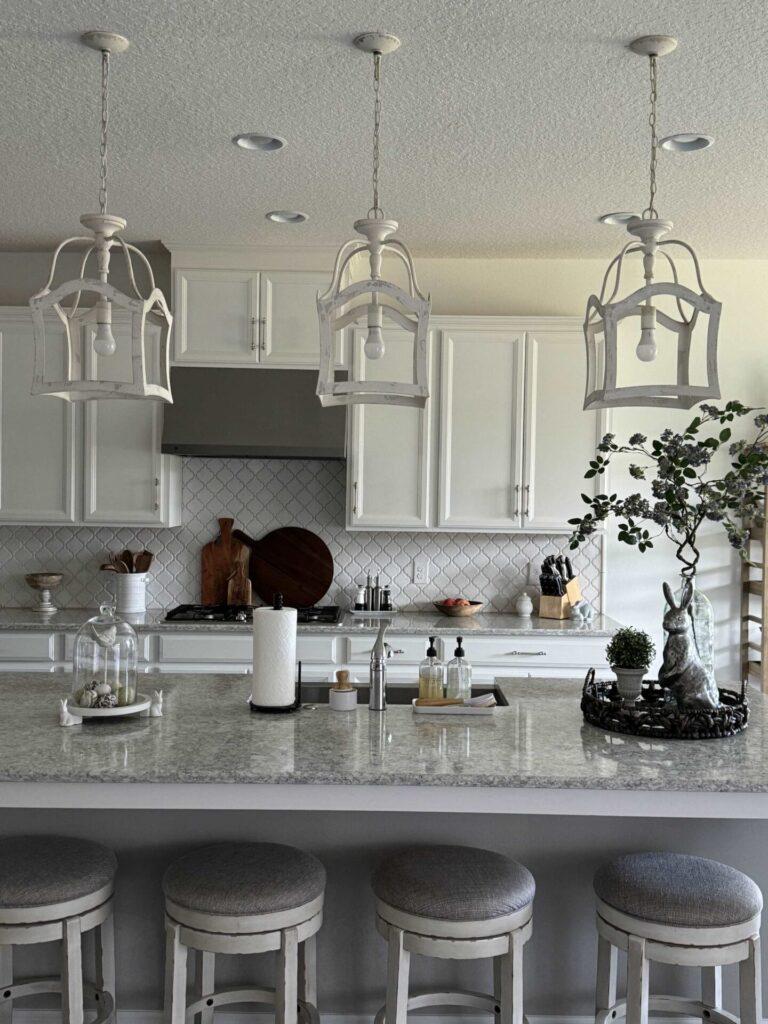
754,639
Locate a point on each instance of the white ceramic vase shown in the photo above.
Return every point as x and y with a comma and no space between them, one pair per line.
130,592
629,682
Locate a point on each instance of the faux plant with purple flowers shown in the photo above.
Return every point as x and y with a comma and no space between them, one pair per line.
682,496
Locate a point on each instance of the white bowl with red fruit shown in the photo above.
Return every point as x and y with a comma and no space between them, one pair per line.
458,606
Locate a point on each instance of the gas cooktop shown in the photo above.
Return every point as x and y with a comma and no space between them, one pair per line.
326,614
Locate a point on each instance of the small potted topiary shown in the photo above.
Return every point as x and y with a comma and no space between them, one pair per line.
630,653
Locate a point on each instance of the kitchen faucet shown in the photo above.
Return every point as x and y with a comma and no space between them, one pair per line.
377,674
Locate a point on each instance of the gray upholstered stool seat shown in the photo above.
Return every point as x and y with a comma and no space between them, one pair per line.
679,890
236,879
453,883
38,871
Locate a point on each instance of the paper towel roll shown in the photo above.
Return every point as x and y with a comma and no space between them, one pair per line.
274,657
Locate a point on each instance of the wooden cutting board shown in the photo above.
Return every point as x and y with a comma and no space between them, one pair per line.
291,561
219,559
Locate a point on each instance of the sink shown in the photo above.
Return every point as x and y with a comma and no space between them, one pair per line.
397,693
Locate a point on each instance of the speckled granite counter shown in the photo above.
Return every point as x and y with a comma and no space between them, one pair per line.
209,751
418,623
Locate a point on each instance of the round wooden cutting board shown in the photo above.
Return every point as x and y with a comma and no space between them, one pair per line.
293,562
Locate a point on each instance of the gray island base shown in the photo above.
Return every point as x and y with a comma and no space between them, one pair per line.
532,781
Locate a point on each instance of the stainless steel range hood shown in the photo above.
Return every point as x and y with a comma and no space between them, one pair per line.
252,414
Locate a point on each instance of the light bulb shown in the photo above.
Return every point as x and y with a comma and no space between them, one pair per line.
104,343
374,343
646,347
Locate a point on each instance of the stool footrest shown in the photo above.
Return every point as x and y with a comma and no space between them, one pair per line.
307,1012
447,997
52,986
669,1004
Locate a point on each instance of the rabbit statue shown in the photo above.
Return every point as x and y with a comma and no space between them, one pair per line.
682,670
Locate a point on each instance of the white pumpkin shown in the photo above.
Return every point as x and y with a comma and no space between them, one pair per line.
103,689
86,698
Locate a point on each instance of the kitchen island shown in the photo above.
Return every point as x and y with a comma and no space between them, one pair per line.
531,781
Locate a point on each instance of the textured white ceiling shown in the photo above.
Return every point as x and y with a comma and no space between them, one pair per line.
508,124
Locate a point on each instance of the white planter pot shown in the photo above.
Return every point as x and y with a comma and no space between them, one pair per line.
130,592
629,682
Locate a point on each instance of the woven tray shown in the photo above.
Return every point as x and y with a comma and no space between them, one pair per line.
656,713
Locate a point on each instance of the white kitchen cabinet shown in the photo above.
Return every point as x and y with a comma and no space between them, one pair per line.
38,444
389,468
95,462
481,429
248,318
560,438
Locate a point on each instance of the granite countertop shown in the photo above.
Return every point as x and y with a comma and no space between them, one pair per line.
418,623
209,736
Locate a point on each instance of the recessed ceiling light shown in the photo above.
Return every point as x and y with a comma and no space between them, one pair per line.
259,142
621,218
686,142
286,216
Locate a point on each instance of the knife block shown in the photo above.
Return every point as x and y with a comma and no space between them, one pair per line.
560,607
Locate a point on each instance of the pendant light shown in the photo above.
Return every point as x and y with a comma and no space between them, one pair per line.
656,327
376,297
89,339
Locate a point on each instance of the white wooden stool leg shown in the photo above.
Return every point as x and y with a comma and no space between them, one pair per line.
6,980
607,961
712,987
204,979
175,976
308,971
511,994
398,971
72,972
637,982
105,957
497,981
286,993
750,985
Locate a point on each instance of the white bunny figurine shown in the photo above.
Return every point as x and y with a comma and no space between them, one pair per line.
65,716
682,671
156,707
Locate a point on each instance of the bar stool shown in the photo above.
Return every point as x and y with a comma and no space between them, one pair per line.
56,888
456,903
676,909
243,898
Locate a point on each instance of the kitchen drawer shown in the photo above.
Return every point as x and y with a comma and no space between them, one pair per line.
535,651
143,651
186,647
28,646
409,649
317,649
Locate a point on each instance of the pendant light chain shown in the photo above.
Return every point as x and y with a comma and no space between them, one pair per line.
651,211
376,210
104,128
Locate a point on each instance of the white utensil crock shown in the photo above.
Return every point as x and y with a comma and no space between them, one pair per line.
130,592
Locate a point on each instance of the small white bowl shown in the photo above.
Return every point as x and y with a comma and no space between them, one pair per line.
342,700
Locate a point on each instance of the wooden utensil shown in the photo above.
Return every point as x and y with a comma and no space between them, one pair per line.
291,561
127,557
143,561
218,559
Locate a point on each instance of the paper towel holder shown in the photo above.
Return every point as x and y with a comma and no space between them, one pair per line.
287,708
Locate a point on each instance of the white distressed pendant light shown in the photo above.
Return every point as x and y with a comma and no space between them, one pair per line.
89,340
374,296
656,327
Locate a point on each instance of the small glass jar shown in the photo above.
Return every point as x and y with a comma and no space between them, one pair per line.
104,662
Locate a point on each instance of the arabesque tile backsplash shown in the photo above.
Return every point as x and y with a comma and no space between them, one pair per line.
262,495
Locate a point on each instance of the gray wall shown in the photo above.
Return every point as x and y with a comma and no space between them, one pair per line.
562,852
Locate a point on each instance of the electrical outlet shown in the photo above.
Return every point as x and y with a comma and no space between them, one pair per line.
421,570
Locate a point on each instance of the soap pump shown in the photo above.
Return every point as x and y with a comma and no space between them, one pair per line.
431,681
459,686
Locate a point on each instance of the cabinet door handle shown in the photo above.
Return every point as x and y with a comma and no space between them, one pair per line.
516,511
262,339
354,500
527,654
254,341
157,494
527,512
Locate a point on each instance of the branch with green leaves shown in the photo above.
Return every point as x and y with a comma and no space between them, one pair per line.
683,495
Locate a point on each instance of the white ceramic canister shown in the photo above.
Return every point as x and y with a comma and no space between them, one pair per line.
130,592
524,605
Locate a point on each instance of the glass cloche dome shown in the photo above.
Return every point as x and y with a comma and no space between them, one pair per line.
104,662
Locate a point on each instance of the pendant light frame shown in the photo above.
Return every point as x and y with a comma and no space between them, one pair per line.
604,313
339,306
145,311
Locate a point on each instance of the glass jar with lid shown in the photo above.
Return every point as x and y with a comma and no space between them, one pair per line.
104,662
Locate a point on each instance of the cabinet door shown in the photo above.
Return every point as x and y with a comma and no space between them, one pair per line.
289,331
127,480
481,436
560,437
37,435
388,471
216,317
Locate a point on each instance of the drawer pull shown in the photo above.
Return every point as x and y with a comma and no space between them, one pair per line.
528,654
